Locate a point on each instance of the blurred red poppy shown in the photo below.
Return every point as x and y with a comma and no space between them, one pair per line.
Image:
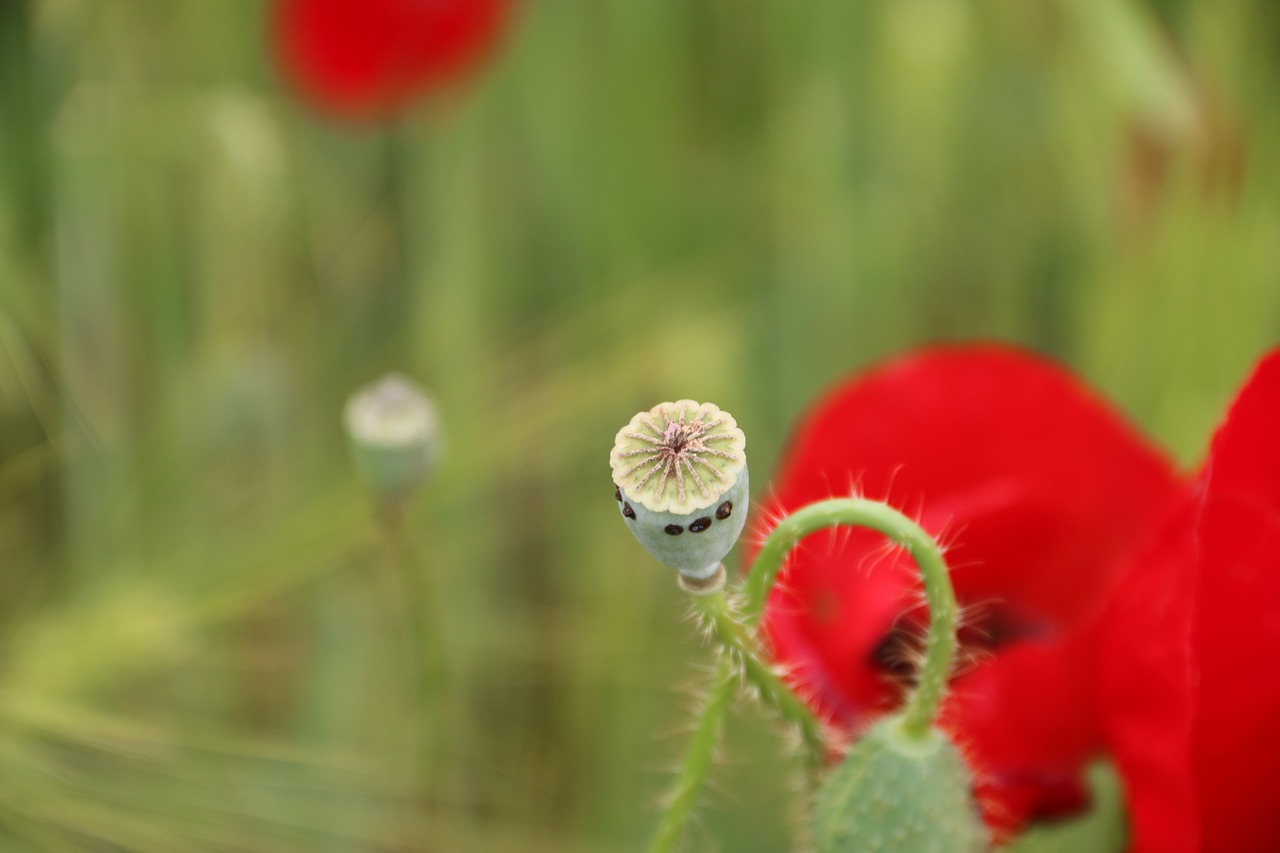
1189,692
367,58
1043,494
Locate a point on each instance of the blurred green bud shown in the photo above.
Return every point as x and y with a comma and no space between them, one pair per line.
682,485
895,792
394,434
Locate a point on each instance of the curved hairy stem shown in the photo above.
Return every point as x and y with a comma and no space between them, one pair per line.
940,645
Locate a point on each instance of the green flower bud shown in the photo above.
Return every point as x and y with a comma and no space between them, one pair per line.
899,793
394,431
682,485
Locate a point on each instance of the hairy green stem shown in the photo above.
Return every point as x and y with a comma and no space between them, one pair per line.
740,644
940,646
740,659
692,776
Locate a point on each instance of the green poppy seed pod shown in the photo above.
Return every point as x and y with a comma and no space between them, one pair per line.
682,485
896,792
394,434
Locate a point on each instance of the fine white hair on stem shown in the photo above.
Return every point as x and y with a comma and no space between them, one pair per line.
769,516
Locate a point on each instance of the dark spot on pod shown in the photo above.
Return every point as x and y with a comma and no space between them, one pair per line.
673,529
700,524
617,495
724,510
628,511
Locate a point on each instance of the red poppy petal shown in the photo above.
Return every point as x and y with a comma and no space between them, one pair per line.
1042,492
1037,485
1189,706
1244,460
1235,746
1029,770
367,57
1147,675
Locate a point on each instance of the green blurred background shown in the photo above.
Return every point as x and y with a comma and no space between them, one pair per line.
203,648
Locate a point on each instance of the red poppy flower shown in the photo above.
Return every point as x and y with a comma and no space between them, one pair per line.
1189,692
1042,494
366,58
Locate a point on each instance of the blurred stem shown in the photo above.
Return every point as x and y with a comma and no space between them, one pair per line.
421,612
697,762
940,645
23,143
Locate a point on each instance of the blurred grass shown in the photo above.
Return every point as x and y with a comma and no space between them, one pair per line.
636,201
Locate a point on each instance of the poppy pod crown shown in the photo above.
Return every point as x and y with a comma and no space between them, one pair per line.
680,471
393,429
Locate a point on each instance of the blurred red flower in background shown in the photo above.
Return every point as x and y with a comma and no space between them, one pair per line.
1190,689
1043,494
367,58
1112,606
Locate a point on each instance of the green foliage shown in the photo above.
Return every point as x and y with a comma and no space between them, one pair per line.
202,643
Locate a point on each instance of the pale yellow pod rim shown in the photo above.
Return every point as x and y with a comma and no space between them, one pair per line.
678,457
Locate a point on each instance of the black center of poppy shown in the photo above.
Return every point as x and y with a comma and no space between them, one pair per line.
897,655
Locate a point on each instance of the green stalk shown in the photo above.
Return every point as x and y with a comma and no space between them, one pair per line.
698,760
743,649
